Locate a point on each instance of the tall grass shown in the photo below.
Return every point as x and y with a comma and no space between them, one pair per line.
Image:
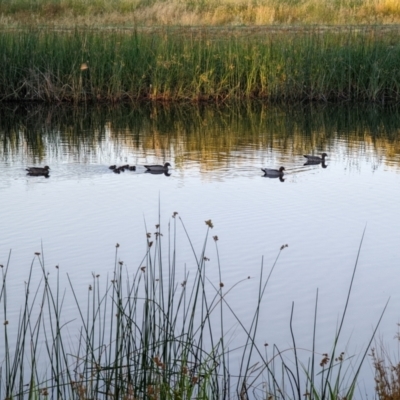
83,66
204,12
151,335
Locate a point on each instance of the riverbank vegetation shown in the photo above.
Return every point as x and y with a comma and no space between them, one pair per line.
200,66
128,13
149,333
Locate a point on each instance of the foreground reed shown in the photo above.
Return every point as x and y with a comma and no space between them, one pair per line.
83,66
149,335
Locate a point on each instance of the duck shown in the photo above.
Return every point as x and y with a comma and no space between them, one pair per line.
132,168
112,167
273,172
38,170
316,158
158,168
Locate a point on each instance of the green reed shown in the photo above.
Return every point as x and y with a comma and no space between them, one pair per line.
149,334
85,66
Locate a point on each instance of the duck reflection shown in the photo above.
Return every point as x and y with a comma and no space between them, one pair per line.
316,162
274,173
157,172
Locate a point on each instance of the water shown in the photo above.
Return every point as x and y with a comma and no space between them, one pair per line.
77,215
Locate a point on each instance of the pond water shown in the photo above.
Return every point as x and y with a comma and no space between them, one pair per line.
76,216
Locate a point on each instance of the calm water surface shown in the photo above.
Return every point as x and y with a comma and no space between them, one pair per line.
77,215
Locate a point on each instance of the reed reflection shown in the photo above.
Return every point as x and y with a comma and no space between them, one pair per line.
211,136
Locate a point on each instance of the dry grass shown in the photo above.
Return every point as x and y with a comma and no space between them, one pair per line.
387,373
201,13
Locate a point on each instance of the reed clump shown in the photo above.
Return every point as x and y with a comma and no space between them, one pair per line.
152,335
199,66
387,373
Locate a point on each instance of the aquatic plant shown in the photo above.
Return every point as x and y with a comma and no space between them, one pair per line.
387,371
201,66
151,335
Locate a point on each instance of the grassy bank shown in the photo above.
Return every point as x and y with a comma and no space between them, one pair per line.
204,12
200,65
147,333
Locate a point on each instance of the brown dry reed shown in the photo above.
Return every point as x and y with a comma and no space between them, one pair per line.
200,66
387,372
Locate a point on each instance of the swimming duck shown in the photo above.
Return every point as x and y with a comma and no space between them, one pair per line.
316,158
112,167
132,168
156,168
38,170
273,172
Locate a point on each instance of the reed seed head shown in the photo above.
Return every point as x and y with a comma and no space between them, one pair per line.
209,223
117,245
174,214
37,254
215,238
150,244
148,235
221,285
120,262
143,268
325,360
5,322
340,358
90,287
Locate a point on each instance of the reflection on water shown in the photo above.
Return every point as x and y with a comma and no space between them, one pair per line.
210,136
83,208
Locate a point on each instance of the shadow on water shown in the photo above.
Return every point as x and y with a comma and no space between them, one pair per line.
33,132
